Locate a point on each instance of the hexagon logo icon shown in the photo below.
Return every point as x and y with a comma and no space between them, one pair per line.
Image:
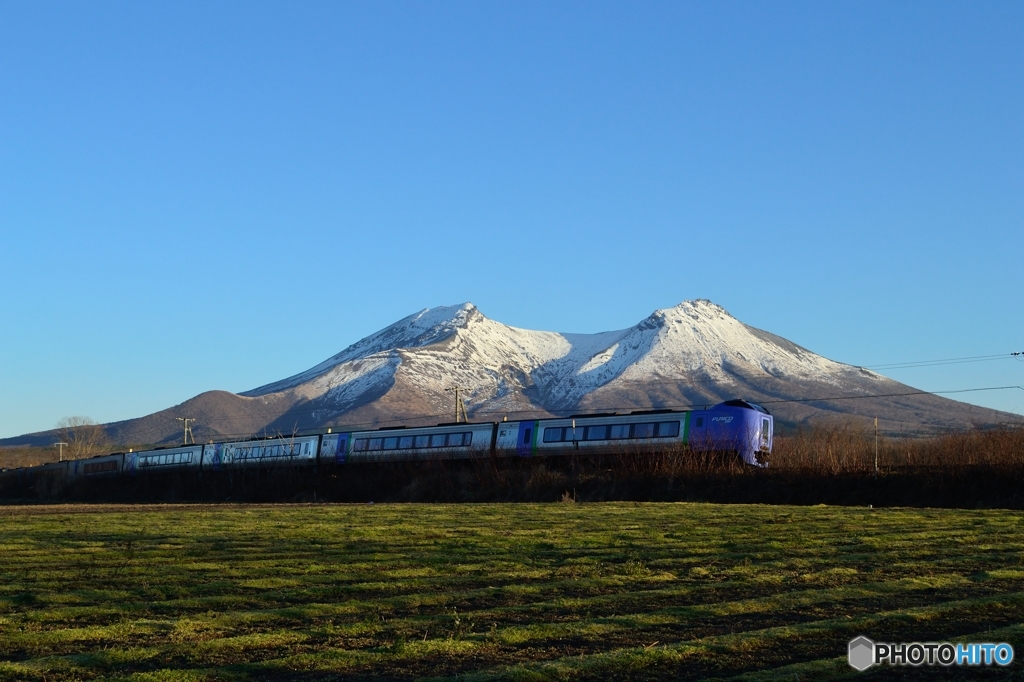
861,653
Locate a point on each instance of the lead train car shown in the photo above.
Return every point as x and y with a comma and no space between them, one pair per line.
732,426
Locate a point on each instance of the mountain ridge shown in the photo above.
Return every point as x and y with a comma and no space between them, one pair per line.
694,353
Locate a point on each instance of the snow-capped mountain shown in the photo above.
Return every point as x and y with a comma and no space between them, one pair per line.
696,345
692,354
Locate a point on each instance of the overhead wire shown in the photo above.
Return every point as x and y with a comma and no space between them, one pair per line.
1019,355
948,361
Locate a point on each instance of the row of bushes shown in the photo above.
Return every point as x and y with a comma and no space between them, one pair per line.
829,465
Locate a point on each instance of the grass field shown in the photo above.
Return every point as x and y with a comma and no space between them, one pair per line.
498,591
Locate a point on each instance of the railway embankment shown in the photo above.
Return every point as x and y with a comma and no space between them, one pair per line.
831,466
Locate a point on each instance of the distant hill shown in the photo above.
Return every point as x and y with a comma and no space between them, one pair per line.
690,355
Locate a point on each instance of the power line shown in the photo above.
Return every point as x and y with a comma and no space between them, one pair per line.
887,395
311,411
947,361
691,406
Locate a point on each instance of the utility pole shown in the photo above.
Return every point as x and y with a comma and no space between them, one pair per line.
188,429
876,447
460,407
60,456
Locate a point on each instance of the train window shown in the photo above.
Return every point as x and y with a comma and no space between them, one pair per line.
359,444
596,433
527,433
618,431
375,443
437,440
405,442
700,422
422,441
391,443
467,438
643,430
100,467
455,440
668,429
553,434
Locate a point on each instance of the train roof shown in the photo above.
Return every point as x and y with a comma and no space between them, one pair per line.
744,404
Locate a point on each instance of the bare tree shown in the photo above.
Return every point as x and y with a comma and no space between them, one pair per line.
83,435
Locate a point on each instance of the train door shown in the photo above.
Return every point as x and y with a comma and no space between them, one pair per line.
212,456
334,448
527,437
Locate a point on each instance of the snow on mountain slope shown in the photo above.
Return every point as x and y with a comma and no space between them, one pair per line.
503,367
701,337
694,353
420,329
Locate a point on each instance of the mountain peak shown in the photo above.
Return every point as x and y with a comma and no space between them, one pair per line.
693,353
425,328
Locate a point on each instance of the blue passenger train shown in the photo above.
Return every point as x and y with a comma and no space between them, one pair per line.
735,426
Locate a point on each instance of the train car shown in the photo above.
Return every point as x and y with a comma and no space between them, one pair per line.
651,428
733,426
444,441
269,452
10,480
188,457
96,467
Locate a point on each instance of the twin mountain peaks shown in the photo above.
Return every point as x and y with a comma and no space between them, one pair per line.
693,354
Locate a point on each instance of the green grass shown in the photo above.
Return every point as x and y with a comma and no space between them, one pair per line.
480,592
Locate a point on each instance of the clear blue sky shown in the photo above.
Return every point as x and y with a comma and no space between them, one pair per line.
201,196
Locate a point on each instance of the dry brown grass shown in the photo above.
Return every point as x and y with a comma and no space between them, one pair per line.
845,447
27,456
